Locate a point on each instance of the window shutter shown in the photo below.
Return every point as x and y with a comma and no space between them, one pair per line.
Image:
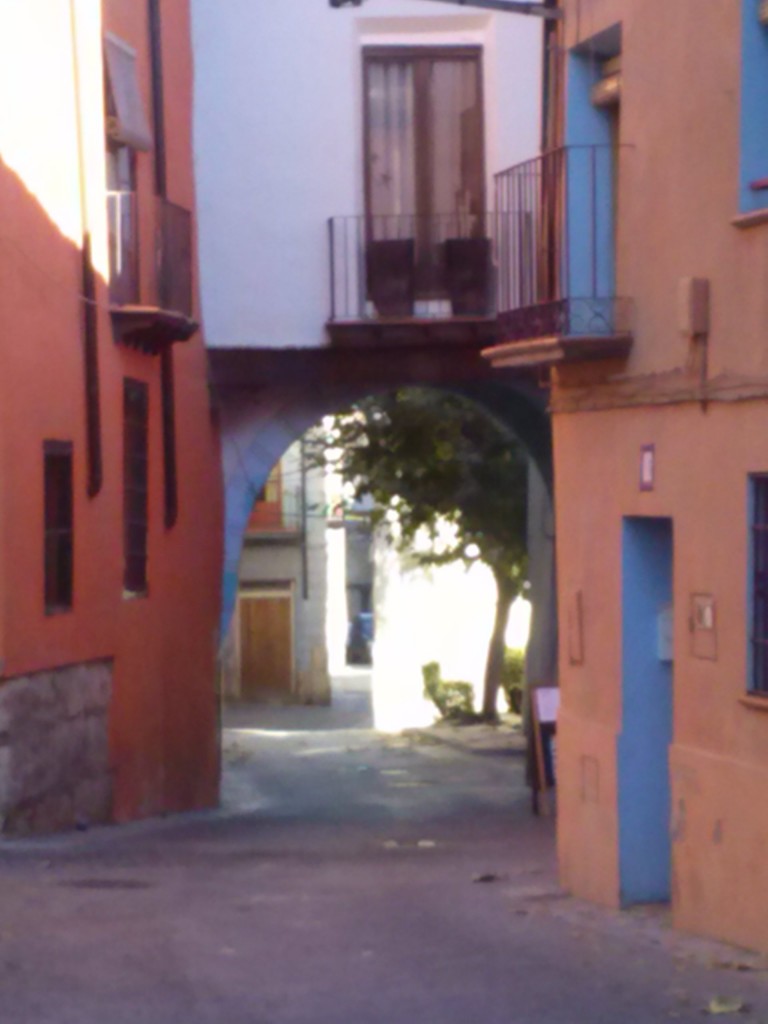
127,122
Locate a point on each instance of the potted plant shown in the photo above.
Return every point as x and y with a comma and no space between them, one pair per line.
390,265
468,275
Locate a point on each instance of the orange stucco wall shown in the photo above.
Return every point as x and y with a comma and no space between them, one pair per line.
163,716
718,766
678,188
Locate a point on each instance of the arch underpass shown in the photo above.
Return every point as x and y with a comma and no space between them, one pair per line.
267,398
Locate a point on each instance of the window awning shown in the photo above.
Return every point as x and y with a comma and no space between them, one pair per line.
127,122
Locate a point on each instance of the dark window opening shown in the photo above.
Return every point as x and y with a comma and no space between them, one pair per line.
759,639
58,525
169,439
135,484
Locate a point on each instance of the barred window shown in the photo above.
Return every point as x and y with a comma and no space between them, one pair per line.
58,525
135,484
758,682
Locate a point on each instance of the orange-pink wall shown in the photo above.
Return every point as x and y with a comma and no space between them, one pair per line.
163,720
718,759
677,200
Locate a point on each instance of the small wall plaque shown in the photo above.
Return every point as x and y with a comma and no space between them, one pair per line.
647,467
703,627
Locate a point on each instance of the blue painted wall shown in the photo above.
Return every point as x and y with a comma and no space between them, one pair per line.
591,256
643,746
754,89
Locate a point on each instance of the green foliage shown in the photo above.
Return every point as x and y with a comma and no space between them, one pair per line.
454,700
431,459
513,678
426,458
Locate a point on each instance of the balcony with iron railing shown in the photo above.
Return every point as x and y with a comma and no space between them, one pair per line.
165,315
174,257
409,277
557,294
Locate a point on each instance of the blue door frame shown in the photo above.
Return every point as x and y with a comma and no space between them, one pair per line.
646,733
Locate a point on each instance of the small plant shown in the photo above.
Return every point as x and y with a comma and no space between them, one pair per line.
513,678
454,700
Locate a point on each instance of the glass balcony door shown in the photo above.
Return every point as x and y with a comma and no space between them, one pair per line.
424,166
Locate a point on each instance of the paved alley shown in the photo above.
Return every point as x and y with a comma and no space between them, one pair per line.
349,878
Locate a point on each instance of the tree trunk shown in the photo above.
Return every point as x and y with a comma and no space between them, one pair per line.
505,595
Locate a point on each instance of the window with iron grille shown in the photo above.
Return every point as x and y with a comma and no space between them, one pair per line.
58,525
758,682
135,484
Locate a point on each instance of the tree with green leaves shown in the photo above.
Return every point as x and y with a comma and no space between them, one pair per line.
430,458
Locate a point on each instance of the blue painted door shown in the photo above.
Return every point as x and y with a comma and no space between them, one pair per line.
646,733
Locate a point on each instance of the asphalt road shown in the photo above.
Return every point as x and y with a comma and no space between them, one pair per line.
339,885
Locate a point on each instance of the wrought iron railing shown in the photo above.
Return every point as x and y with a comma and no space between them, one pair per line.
403,266
174,257
123,229
556,248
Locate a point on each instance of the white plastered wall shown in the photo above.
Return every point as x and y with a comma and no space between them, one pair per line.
278,142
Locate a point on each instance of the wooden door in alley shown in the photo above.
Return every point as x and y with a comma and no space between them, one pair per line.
266,643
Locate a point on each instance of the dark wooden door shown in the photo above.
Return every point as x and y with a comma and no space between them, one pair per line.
266,656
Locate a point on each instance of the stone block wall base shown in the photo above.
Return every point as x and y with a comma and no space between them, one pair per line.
54,751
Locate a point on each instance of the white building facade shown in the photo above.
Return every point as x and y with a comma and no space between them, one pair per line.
279,141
